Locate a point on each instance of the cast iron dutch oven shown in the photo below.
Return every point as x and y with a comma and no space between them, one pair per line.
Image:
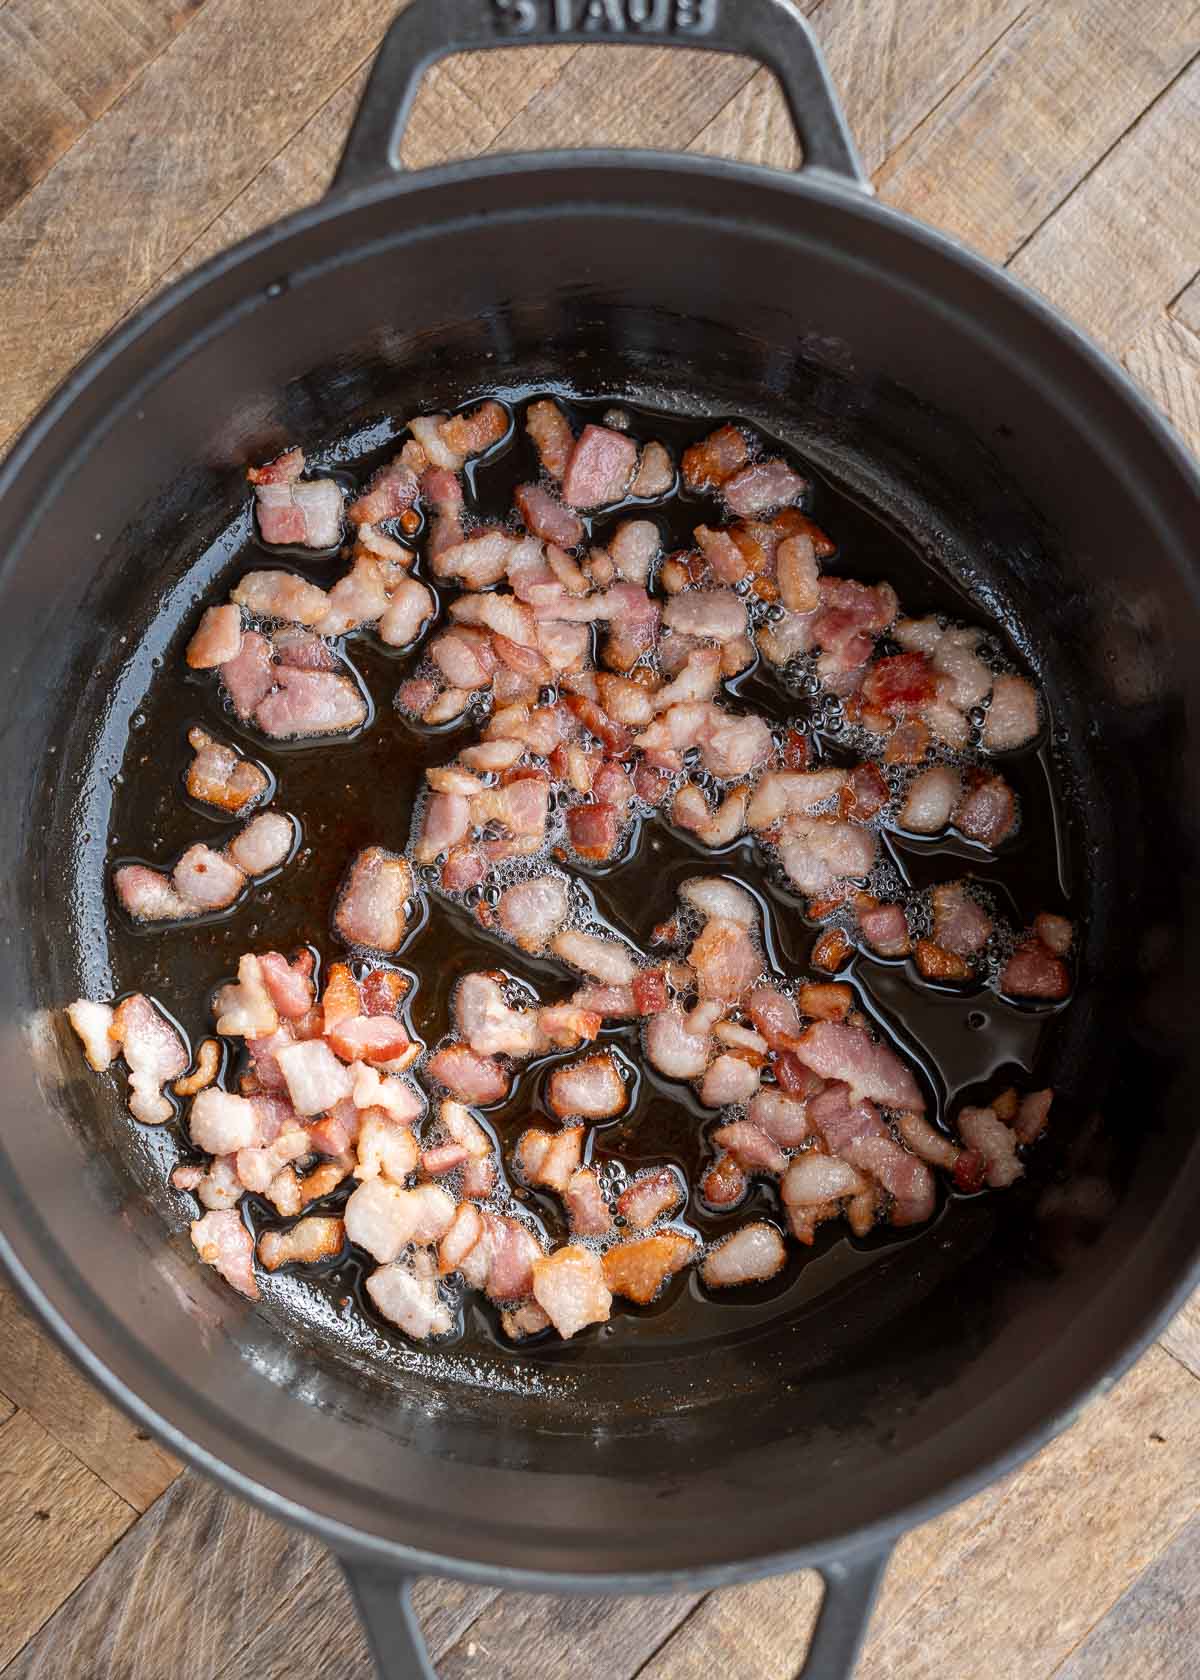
938,392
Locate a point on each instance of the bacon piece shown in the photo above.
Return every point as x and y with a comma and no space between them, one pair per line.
927,1142
445,822
569,1287
774,1014
148,896
1034,972
476,430
521,806
473,1078
396,1097
284,595
656,472
391,491
865,794
309,703
980,1130
223,1242
987,811
315,1079
263,844
782,793
549,1159
218,638
222,1124
383,1219
873,1070
204,879
594,830
798,574
813,1180
296,644
883,926
832,951
1012,717
725,960
707,465
1032,1116
552,436
314,1239
218,775
409,607
503,614
385,1148
639,1269
960,924
751,1147
587,1211
718,614
824,1002
1054,932
208,1064
547,518
900,684
634,617
763,487
605,959
908,743
728,1080
931,799
751,1254
566,1025
782,1118
717,896
817,853
600,469
378,1038
650,1196
634,547
371,908
591,1089
675,1046
489,1025
154,1052
410,1300
245,1009
531,911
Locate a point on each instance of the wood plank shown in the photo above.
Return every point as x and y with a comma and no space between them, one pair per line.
536,1636
1165,359
1127,240
1083,1520
760,1630
1152,1632
44,1383
202,121
1035,114
1182,1335
57,1521
63,62
1186,307
182,1594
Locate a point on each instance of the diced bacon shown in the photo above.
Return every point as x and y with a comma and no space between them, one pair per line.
531,911
752,1254
566,573
980,1130
639,1269
649,783
825,1002
794,1077
1032,1116
513,1253
283,595
503,614
218,775
360,597
930,801
960,924
452,778
783,1118
246,1009
479,560
600,469
284,469
148,896
625,702
775,1016
521,806
383,1219
409,1301
450,704
987,811
752,1148
729,1079
369,1038
782,640
832,951
222,1124
697,681
289,985
552,436
650,1196
873,1070
409,607
548,1159
605,959
813,1178
465,1231
707,465
908,743
206,880
371,909
385,1147
715,613
92,1023
1012,717
798,574
547,518
476,430
310,703
473,1078
864,795
947,724
724,1183
569,1287
396,1097
566,1025
428,430
442,490
223,1242
315,1079
782,793
263,844
519,1323
634,617
762,487
220,1187
594,830
391,491
250,675
649,989
656,472
218,638
445,823
735,746
373,543
884,927
296,645
817,853
927,1142
587,1211
674,1047
290,511
443,1158
464,659
590,1089
725,960
1034,972
634,547
313,1239
489,1025
187,1178
1055,932
900,684
154,1052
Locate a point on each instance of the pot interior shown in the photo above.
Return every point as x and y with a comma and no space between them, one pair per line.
948,422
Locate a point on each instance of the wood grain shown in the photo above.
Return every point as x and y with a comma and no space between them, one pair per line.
57,1521
1150,1633
44,1383
533,1636
1127,239
1035,114
1186,307
62,63
1182,1335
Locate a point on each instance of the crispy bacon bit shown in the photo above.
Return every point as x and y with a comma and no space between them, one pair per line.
1012,717
825,1002
798,574
569,1287
311,1240
218,775
371,909
591,1089
93,1023
473,1078
832,951
639,1269
936,963
655,474
650,1196
873,1070
476,430
218,638
900,684
864,795
594,830
1054,932
552,436
208,1063
724,1184
549,1159
752,1254
223,1242
154,1052
980,1130
708,464
1035,972
908,743
987,811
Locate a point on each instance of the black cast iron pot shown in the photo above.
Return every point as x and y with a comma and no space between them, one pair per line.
948,399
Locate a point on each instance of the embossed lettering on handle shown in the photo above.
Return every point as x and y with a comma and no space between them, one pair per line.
605,17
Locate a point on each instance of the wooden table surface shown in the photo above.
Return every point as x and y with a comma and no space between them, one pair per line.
1062,139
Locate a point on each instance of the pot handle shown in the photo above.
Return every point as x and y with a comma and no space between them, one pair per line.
775,32
384,1603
